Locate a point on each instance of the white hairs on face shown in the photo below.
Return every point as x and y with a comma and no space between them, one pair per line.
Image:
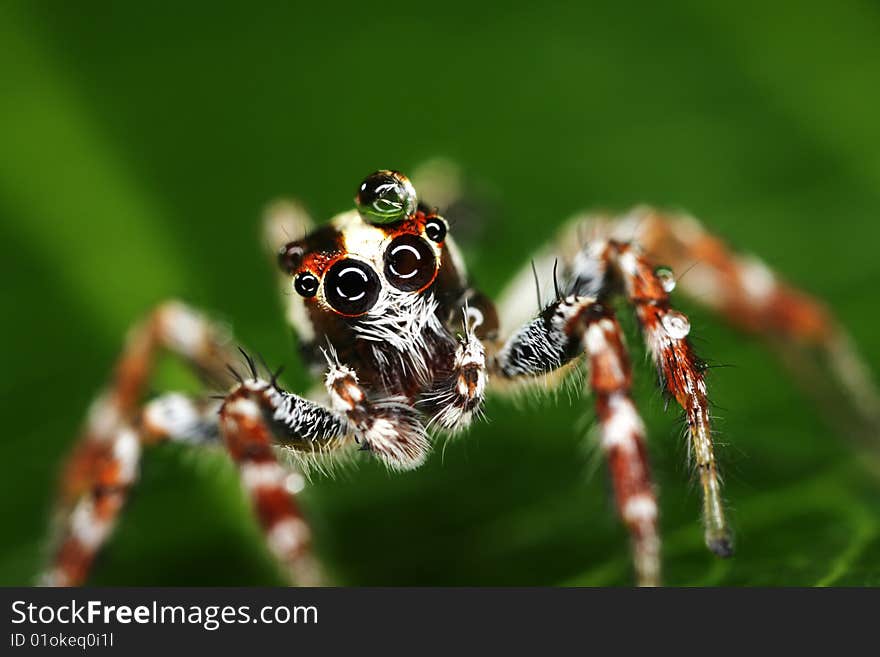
401,321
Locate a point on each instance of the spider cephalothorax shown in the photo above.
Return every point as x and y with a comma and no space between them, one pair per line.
380,300
385,287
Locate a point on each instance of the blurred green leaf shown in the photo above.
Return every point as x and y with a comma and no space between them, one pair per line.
139,144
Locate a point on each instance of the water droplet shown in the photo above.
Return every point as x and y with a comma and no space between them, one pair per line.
385,197
666,278
676,325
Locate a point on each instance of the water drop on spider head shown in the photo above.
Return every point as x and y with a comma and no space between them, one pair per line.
666,278
676,325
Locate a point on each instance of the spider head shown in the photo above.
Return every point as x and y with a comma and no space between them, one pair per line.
390,245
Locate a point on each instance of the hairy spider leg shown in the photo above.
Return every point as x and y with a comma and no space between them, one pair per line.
740,288
604,268
750,296
682,375
623,442
104,464
564,330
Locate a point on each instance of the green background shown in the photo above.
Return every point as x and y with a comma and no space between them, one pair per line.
140,141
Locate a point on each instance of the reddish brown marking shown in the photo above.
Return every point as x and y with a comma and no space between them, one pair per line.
72,559
470,374
610,370
413,225
249,442
72,563
91,470
319,262
611,377
91,466
785,311
133,368
682,373
324,246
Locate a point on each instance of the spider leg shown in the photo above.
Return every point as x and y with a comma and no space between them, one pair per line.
256,417
751,297
101,471
104,464
459,396
390,428
682,374
623,441
557,336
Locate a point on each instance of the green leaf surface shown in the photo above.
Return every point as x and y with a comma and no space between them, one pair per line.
138,145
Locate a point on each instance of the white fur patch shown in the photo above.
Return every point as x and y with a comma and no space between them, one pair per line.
342,379
757,279
185,331
629,263
103,417
640,508
401,444
244,408
287,536
623,426
262,475
171,415
597,345
127,452
90,530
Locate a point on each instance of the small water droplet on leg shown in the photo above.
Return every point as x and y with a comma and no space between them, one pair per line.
676,325
666,277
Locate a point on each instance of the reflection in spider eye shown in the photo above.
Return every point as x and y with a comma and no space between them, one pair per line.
306,284
435,229
290,257
385,197
351,287
410,264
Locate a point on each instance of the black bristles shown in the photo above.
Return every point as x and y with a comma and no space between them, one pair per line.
234,373
555,280
250,363
274,380
537,285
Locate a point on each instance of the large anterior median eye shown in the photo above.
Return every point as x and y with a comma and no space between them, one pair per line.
351,287
410,264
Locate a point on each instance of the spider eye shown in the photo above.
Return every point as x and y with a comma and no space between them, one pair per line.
385,197
290,257
306,284
435,229
351,287
410,264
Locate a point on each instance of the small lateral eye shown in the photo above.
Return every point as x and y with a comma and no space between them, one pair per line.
385,197
290,257
351,287
435,229
410,264
306,284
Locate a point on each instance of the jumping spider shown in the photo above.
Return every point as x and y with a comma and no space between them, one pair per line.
383,304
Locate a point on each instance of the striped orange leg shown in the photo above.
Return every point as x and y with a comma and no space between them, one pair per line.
623,441
666,334
564,329
101,472
104,464
249,438
751,297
